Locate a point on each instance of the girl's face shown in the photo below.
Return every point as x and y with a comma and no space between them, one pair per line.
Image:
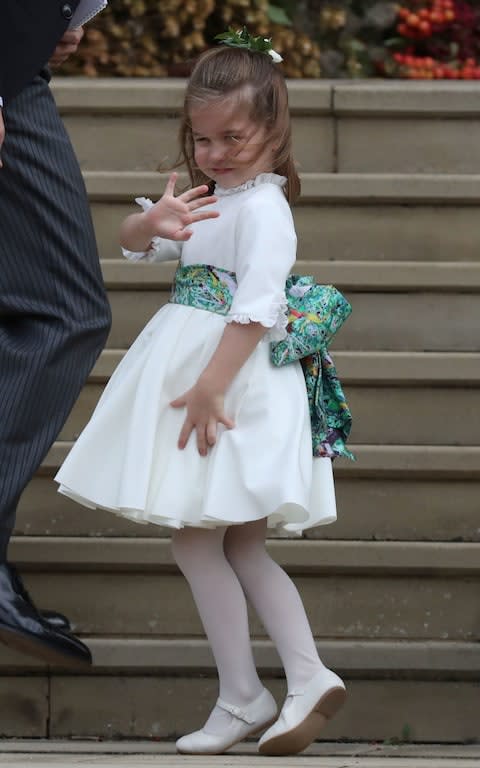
229,147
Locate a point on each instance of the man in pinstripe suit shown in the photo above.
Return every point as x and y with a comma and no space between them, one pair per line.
54,316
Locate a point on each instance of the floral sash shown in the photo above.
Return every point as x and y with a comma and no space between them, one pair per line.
321,307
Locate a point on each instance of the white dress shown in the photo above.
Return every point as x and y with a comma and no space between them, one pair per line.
126,460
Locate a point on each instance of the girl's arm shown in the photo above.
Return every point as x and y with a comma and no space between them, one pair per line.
205,400
169,218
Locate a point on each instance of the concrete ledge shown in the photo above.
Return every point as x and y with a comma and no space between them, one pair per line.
414,276
370,509
401,99
357,97
379,368
298,556
419,368
372,188
351,657
412,461
391,461
361,188
160,95
376,710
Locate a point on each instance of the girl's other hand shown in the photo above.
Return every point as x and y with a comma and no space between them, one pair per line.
205,410
171,216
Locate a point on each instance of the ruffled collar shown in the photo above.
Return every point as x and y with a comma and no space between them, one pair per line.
262,178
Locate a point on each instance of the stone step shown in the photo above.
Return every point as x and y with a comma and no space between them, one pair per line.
351,231
339,605
371,188
406,130
348,216
73,554
376,505
372,461
353,590
120,133
356,276
403,294
337,127
382,368
425,319
388,415
396,322
118,706
352,658
386,412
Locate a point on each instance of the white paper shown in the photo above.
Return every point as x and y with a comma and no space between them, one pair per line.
86,10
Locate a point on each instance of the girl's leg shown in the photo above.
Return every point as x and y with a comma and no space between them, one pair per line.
275,599
222,607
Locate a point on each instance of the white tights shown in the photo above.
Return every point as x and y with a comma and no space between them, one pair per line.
222,566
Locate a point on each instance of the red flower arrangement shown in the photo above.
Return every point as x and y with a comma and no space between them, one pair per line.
437,39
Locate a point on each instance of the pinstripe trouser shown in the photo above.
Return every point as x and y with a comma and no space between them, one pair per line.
54,316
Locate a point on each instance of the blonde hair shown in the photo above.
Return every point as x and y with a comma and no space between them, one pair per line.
225,71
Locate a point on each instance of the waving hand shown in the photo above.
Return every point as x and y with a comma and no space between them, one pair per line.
171,216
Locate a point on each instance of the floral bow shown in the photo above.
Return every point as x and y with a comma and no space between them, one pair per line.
243,39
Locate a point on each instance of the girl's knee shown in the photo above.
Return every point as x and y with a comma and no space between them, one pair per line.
183,547
195,547
244,543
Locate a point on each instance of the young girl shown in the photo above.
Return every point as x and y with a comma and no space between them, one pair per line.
197,430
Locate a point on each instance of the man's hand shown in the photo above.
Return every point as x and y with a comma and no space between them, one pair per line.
2,135
67,45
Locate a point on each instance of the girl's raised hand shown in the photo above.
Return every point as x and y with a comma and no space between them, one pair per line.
205,411
171,216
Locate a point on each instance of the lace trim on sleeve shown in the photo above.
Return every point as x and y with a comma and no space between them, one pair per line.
155,246
276,321
145,203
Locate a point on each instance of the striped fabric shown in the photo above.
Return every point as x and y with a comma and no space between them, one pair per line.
54,316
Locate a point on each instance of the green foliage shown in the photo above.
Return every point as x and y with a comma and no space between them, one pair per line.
279,15
316,38
243,39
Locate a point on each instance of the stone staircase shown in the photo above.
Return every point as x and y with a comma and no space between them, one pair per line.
389,213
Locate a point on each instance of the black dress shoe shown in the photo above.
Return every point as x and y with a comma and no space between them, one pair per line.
23,628
55,619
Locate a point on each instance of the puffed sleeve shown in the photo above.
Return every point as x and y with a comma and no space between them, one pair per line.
160,249
266,246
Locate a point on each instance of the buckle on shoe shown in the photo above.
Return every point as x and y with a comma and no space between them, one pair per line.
235,711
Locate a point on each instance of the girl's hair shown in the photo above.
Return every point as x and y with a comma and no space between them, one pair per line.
253,77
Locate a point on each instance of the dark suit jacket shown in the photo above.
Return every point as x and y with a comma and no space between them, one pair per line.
29,33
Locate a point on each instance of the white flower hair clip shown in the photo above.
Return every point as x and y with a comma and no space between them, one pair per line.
275,56
243,39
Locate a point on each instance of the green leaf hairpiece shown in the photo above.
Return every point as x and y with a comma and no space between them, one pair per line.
243,39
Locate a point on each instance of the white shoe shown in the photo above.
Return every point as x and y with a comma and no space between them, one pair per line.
246,721
304,714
